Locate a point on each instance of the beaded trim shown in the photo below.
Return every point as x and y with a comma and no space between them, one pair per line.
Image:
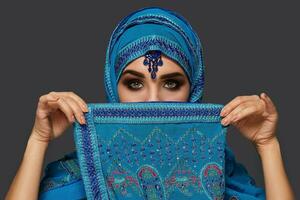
155,112
89,161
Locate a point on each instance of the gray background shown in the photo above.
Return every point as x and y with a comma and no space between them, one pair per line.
249,47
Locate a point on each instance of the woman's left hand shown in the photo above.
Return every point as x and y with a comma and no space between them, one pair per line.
255,117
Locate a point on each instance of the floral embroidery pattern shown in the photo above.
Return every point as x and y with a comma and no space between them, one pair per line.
123,182
159,153
183,179
150,183
213,181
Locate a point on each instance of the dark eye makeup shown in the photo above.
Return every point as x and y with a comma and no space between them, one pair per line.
136,84
172,84
133,84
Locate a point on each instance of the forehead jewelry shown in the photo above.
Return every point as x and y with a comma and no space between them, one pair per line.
153,60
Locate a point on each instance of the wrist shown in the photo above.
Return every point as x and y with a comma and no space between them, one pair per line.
267,147
35,148
36,139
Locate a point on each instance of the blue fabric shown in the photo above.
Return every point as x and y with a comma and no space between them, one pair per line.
154,29
152,150
62,180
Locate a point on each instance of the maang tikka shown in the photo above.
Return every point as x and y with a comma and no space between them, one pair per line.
153,60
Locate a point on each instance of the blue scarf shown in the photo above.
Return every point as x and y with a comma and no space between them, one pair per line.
152,150
147,29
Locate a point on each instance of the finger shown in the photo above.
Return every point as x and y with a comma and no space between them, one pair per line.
244,113
256,107
47,97
270,106
44,99
64,107
82,107
76,109
53,96
233,114
235,102
82,103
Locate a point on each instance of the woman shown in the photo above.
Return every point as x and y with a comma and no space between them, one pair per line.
153,55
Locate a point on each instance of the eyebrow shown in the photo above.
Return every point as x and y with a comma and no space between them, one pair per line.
164,76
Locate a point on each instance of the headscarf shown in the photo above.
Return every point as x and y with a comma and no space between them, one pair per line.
154,28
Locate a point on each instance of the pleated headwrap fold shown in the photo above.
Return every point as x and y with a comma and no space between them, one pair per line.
154,28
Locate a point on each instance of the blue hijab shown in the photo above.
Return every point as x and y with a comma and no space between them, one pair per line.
154,29
150,28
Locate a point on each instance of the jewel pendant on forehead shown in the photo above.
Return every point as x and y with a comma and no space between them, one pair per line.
153,60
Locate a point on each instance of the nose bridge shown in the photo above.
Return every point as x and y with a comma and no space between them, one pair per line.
153,93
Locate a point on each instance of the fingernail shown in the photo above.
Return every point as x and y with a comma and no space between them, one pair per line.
224,122
223,113
82,119
265,95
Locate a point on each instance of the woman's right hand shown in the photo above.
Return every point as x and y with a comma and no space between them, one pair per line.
55,112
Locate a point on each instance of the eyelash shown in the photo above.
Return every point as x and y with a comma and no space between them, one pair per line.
130,81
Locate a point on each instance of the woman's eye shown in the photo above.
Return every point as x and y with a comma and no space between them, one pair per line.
134,84
172,84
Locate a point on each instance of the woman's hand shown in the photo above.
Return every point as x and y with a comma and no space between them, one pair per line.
55,112
255,117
